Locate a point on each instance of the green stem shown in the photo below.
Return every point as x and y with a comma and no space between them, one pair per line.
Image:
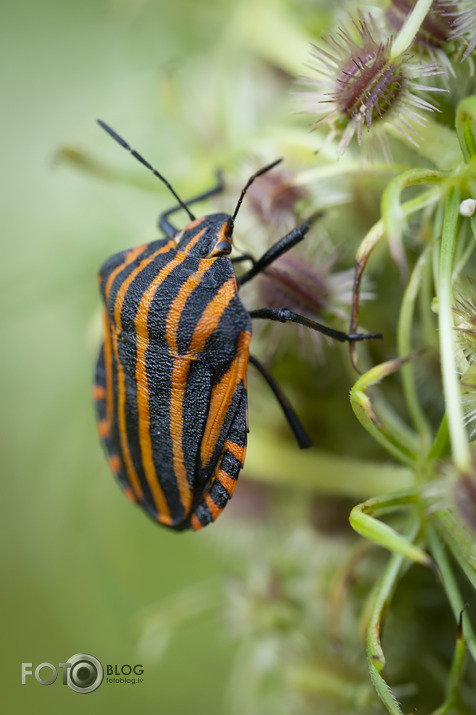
405,348
409,30
453,702
375,655
324,682
392,213
451,389
465,117
450,585
392,438
346,168
363,519
314,471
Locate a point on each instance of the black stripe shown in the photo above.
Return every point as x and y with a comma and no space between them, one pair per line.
194,416
203,514
230,464
123,274
110,447
159,372
164,297
219,494
127,357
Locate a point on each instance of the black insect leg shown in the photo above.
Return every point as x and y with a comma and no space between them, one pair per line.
283,315
243,257
282,246
299,432
164,223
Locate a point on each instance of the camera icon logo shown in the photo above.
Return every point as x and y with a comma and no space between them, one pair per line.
84,673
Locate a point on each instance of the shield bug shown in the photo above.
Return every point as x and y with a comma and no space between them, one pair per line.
170,388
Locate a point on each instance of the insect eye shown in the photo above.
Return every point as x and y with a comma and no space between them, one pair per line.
222,248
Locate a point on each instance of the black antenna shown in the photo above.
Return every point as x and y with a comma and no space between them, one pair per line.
140,158
250,181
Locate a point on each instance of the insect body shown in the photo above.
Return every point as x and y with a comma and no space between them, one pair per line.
170,387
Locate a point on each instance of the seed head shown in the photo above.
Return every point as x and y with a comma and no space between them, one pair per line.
357,83
274,198
464,25
308,283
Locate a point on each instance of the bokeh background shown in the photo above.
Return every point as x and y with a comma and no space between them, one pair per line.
79,564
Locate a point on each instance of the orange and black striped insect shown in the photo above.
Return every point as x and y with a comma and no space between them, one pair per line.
170,387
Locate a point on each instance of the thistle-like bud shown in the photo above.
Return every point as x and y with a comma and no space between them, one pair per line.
357,83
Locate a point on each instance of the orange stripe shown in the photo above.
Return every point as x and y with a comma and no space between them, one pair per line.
131,472
142,342
226,481
178,304
121,414
130,494
115,463
221,397
237,451
129,257
179,380
121,293
108,368
215,510
193,224
194,523
99,393
204,328
211,316
103,428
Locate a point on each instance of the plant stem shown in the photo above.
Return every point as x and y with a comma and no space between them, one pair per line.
317,472
405,348
451,389
412,24
382,598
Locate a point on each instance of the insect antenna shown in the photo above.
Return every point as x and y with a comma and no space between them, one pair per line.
140,158
250,181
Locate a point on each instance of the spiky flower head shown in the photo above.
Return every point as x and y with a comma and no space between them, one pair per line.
358,83
464,25
310,284
274,198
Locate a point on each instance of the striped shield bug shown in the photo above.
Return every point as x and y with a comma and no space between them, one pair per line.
170,388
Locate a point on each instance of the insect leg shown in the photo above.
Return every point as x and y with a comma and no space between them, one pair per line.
298,430
243,257
282,246
283,315
164,223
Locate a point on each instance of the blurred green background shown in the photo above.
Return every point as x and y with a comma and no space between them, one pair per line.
79,564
